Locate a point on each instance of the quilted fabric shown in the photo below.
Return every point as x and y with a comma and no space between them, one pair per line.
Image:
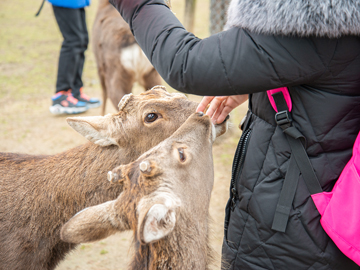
249,243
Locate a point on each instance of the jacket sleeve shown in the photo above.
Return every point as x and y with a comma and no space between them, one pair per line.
228,63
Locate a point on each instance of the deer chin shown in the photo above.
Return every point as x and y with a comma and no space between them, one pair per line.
221,129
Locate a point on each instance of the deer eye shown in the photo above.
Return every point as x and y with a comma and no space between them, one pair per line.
151,117
182,154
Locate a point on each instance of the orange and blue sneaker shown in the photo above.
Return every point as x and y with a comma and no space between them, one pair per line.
64,103
91,102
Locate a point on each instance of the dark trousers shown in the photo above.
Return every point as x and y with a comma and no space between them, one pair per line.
73,28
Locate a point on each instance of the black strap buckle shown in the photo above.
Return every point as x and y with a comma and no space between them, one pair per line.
283,119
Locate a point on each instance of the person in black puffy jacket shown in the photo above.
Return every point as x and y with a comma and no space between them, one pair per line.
310,47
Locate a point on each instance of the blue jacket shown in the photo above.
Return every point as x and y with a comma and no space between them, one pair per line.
70,3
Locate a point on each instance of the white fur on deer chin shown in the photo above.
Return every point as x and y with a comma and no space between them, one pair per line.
216,132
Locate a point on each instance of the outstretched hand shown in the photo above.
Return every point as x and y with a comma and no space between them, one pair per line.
220,106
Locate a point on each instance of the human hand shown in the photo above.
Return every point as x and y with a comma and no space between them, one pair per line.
221,106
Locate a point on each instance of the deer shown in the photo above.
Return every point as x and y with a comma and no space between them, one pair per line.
165,202
40,193
120,61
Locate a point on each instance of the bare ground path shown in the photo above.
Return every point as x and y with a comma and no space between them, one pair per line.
29,50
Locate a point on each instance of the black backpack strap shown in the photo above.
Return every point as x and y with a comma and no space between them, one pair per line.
299,163
286,198
304,164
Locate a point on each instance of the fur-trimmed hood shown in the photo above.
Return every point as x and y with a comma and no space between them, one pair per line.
323,18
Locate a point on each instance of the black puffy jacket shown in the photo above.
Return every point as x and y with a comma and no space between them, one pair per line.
313,48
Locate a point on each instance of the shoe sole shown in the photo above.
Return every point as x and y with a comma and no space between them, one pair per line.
94,105
58,109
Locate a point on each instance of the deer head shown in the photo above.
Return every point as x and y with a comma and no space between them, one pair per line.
171,181
142,121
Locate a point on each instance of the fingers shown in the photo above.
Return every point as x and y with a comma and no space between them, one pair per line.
204,102
228,104
218,119
218,112
220,107
214,105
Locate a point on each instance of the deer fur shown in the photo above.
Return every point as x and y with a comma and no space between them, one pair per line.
120,60
40,193
165,202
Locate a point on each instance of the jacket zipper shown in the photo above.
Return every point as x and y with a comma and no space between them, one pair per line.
237,165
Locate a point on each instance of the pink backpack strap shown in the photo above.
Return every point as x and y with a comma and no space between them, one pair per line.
286,94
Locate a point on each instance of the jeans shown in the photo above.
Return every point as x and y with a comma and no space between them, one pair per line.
73,28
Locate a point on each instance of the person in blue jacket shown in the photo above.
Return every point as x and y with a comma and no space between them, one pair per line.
69,97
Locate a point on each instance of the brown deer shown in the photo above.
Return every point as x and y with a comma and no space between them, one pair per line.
39,194
165,202
120,61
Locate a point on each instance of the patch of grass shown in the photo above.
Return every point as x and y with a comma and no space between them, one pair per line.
225,158
24,135
29,49
85,246
103,251
30,46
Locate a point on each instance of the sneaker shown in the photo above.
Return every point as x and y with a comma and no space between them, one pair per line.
65,103
91,102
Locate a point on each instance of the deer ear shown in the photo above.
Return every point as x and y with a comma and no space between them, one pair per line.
158,222
91,224
94,128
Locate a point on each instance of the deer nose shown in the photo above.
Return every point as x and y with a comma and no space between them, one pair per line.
226,118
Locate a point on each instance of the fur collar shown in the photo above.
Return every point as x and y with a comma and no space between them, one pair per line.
323,18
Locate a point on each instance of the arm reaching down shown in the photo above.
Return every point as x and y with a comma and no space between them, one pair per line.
232,62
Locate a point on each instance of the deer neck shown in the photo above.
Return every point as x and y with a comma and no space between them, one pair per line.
77,178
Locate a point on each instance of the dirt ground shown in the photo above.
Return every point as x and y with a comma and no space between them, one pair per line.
29,50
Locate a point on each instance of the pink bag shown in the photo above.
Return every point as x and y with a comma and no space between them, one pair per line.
340,208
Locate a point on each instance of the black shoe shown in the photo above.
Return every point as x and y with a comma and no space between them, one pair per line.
91,102
65,103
